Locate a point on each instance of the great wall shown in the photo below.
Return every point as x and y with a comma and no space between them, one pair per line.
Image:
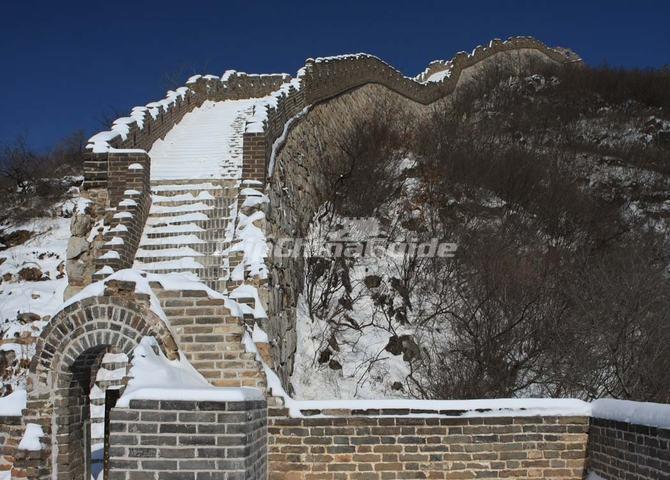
150,211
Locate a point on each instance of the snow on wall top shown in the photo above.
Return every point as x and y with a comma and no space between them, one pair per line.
436,73
142,280
154,377
639,413
439,70
100,142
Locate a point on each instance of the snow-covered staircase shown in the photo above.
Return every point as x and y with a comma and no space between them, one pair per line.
187,229
196,172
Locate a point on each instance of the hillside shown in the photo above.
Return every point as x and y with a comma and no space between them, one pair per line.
555,187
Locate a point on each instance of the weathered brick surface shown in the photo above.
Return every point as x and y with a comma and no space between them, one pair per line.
211,338
189,440
254,154
11,429
397,447
619,451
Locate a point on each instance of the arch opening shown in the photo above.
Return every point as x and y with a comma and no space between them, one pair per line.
78,373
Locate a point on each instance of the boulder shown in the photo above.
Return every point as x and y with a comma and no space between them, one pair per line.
61,270
17,237
28,317
372,281
31,274
80,225
76,246
335,365
404,344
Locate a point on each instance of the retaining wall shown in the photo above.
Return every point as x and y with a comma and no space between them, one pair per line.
338,90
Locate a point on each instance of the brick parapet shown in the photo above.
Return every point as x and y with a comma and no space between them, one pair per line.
626,451
143,133
254,155
189,440
329,77
129,194
411,447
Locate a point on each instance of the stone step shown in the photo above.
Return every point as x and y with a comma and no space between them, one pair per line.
168,252
177,219
213,226
203,248
195,195
158,257
172,240
167,266
171,188
170,230
158,210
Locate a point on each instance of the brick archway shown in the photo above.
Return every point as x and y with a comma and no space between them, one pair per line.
60,377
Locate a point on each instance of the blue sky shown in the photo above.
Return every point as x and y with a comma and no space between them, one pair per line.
67,64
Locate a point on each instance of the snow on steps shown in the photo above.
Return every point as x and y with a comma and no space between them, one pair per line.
206,144
186,229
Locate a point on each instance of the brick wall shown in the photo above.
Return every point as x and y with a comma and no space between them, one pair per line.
619,450
165,440
11,429
392,446
97,165
254,156
210,337
130,200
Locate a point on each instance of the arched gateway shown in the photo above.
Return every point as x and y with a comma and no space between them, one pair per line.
64,366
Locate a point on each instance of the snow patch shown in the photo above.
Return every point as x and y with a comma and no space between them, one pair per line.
31,438
13,404
155,377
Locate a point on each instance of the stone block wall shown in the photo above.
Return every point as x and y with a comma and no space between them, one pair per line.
169,440
338,90
625,451
393,446
299,185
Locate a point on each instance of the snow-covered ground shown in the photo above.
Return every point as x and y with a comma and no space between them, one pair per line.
356,363
45,250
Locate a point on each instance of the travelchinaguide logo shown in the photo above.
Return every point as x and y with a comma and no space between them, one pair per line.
359,237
